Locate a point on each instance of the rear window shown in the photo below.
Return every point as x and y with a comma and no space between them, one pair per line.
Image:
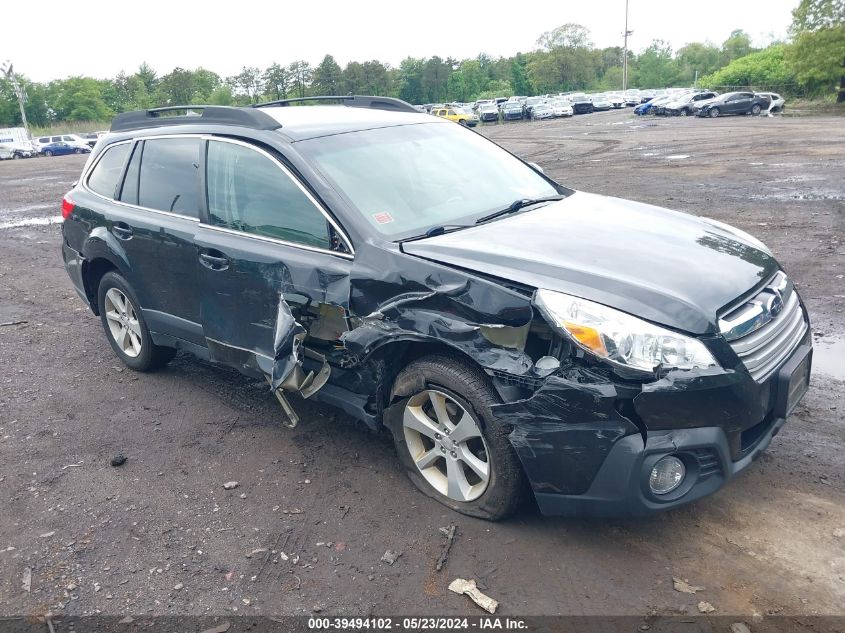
170,176
106,175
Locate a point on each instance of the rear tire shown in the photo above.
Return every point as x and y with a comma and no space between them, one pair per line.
462,122
125,328
449,469
48,153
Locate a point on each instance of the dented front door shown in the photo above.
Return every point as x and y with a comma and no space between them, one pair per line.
264,264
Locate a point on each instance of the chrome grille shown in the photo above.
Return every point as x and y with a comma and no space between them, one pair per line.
763,349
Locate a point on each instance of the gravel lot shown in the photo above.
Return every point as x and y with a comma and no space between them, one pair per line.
160,535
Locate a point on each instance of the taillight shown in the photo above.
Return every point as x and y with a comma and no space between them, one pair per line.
67,207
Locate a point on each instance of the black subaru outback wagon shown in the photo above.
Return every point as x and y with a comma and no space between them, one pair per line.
615,357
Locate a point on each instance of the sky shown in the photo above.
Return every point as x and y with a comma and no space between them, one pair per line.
106,37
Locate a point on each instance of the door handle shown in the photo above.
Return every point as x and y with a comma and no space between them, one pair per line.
122,230
214,262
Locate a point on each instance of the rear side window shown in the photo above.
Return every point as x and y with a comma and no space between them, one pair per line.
170,176
249,192
129,193
103,180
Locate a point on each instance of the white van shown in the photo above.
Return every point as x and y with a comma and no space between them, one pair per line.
74,140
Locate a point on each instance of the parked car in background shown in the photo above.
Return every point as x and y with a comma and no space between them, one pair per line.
601,103
71,139
530,103
646,95
648,106
562,107
632,97
581,103
60,148
734,103
684,105
616,99
512,111
542,111
777,103
6,151
488,112
458,115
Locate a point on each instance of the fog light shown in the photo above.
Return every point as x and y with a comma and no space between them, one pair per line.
667,474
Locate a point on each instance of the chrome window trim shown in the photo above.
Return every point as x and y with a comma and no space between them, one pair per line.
90,169
301,187
84,181
275,240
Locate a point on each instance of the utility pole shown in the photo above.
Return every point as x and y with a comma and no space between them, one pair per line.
20,91
625,51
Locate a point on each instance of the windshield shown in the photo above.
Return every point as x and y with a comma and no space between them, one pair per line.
404,180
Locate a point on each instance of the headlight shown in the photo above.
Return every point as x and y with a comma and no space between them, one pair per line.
620,338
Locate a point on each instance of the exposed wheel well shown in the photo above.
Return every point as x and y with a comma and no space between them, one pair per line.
92,273
398,355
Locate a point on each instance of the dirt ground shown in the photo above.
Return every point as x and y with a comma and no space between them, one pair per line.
160,535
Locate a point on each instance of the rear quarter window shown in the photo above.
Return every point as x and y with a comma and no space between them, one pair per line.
170,176
106,173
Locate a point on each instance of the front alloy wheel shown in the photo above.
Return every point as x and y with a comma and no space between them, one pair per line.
453,446
446,445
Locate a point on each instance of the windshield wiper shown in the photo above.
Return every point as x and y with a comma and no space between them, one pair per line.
517,205
439,229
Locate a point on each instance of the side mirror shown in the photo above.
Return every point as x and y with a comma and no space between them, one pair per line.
537,167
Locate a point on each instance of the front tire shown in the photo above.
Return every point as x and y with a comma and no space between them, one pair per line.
48,153
714,112
454,448
755,109
125,328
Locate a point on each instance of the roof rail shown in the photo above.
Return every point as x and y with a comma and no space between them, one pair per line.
352,101
246,117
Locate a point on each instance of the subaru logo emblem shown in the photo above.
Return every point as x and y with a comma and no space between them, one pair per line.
774,303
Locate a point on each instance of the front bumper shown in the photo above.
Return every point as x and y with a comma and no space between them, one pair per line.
588,444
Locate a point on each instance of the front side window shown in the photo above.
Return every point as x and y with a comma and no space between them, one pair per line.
103,180
170,176
249,192
394,177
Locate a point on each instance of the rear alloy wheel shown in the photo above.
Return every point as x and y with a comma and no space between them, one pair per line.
125,328
755,109
684,112
454,448
714,112
77,151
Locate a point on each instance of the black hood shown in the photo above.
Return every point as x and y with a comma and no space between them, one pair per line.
667,267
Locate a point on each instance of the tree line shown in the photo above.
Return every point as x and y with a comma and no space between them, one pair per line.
564,60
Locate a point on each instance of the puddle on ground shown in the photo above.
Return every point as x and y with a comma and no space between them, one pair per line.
25,208
14,224
829,356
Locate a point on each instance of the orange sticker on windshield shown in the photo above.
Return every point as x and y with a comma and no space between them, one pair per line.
383,218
